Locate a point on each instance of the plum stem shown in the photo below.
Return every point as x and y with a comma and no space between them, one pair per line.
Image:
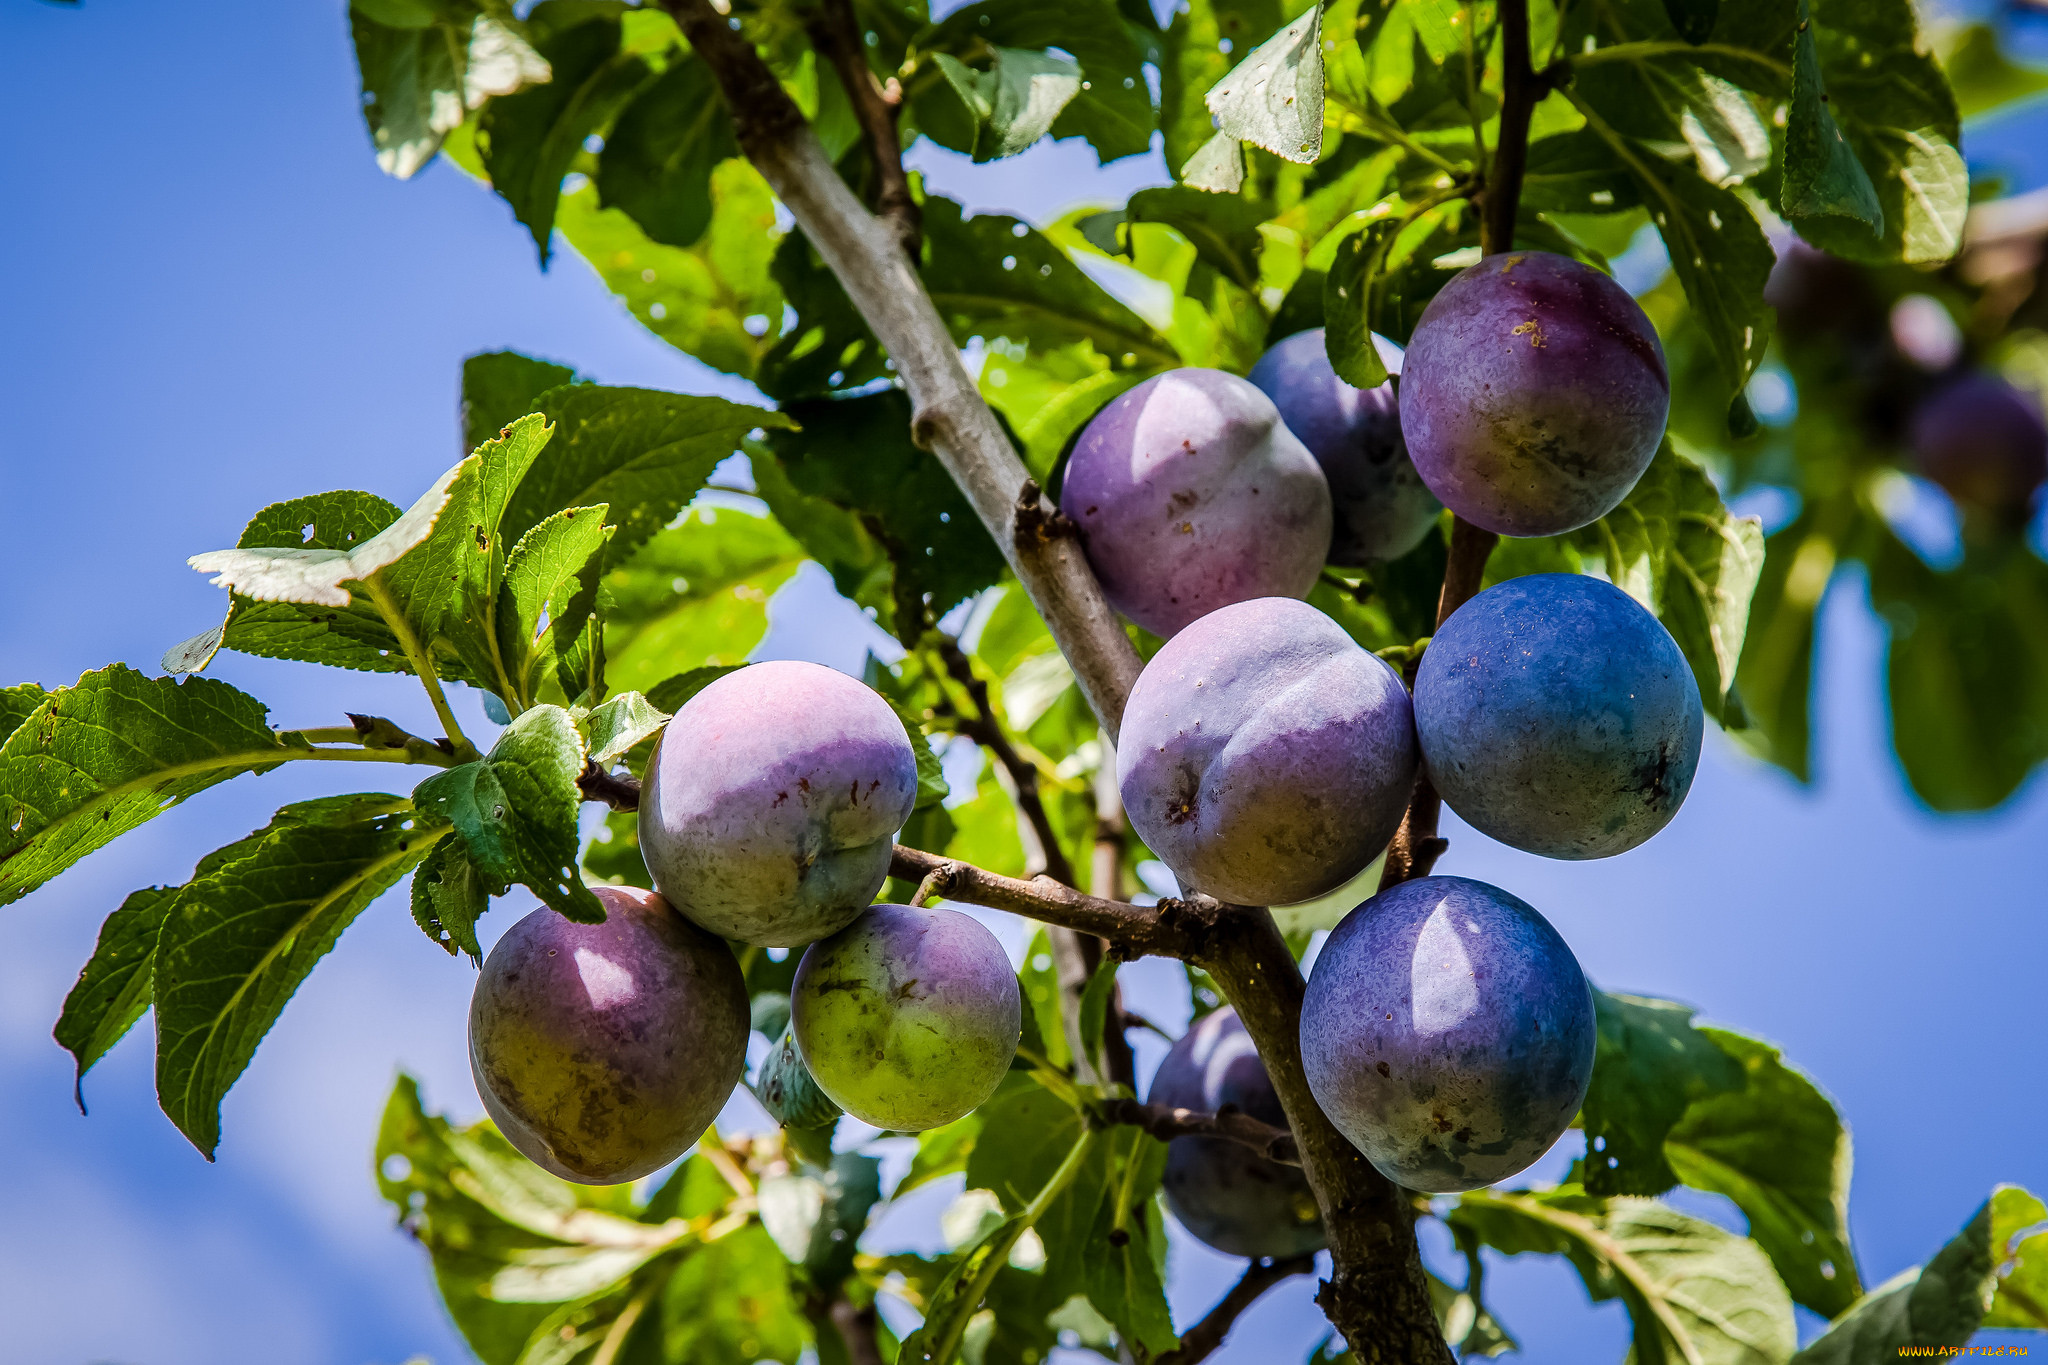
1205,1336
1167,1122
835,33
1522,88
951,417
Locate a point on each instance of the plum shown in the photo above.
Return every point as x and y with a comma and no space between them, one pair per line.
907,1018
1821,297
1191,494
1983,441
1223,1192
1534,394
602,1051
1381,508
772,801
1448,1032
1558,716
1265,757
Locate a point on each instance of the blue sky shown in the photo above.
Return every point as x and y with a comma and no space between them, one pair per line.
211,299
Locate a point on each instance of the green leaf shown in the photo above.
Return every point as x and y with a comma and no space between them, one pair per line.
17,704
1673,546
931,775
1217,166
716,300
246,931
999,112
1349,296
642,452
1983,76
2019,1248
94,761
614,728
834,536
1777,1148
529,139
960,1294
1194,58
858,454
424,65
1649,1067
1694,19
993,275
828,346
540,616
1274,97
1893,104
695,595
817,1217
1822,175
515,810
499,387
729,1303
1694,1292
1123,1254
449,586
1093,1015
1223,229
449,892
658,159
670,694
1113,109
1939,1304
1775,676
114,989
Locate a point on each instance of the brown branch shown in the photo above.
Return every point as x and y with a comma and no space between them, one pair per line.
1377,1294
1228,1123
1521,88
1205,1336
836,33
1168,929
949,413
857,1329
1106,879
619,791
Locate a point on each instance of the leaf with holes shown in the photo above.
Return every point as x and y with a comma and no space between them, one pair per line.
94,761
449,893
500,387
250,926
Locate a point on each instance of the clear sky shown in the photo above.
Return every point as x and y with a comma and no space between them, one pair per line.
210,299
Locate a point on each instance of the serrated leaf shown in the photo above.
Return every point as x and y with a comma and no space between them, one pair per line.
17,704
421,75
515,809
1092,1018
449,893
999,112
1673,546
641,452
1122,1271
2019,1249
499,387
931,774
695,595
114,989
528,140
658,159
94,761
1112,109
1695,1293
543,606
319,576
834,536
1822,175
624,721
1777,1148
669,694
1274,97
243,934
1196,53
1649,1066
1350,304
959,1295
1939,1304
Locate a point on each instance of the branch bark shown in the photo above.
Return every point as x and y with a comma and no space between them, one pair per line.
1169,929
1232,1125
836,33
1521,88
949,414
1205,1336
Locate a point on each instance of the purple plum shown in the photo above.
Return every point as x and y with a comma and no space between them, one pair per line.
907,1018
1448,1032
1534,394
1381,508
1223,1192
1265,757
1191,495
1983,441
1559,717
772,801
602,1051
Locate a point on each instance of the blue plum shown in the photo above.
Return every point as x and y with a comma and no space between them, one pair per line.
1558,716
1265,757
1534,394
1191,494
1984,442
907,1018
1448,1032
1381,507
772,800
602,1051
1223,1192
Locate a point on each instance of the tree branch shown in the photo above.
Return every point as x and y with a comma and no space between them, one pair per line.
1169,929
857,1329
950,416
1521,88
984,730
835,32
1228,1123
618,792
1205,1336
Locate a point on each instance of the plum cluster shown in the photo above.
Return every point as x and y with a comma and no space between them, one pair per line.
1265,757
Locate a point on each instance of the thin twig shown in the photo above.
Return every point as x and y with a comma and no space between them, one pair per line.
620,791
1205,1336
857,1329
1166,1123
1521,88
1169,929
983,728
835,32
